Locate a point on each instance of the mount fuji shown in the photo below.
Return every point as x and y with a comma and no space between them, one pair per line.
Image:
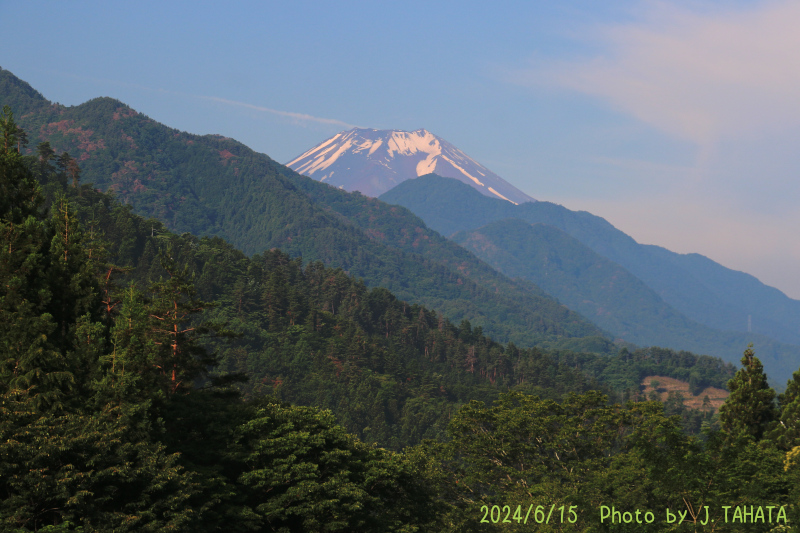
374,161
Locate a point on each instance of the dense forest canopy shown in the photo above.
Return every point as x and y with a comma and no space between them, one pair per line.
159,382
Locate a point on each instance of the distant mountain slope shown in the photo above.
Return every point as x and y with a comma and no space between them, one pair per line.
603,291
683,282
771,312
585,281
211,185
373,161
700,288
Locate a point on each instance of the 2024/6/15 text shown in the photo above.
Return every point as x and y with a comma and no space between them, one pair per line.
540,514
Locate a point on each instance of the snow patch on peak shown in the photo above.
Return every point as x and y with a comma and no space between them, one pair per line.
427,165
319,162
375,146
315,149
467,174
503,197
405,143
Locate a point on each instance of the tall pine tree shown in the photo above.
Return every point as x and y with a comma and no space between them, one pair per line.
750,408
787,429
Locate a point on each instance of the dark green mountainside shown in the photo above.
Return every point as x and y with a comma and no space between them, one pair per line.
633,311
210,185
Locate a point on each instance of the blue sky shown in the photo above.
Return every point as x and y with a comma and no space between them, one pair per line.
676,121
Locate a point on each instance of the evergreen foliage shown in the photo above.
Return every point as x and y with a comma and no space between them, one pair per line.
64,457
787,428
750,409
391,372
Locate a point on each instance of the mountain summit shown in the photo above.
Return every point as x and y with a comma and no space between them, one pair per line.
374,161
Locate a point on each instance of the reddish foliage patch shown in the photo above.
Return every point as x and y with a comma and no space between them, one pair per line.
125,179
419,240
90,146
84,140
225,154
62,126
336,363
124,112
128,168
375,234
130,141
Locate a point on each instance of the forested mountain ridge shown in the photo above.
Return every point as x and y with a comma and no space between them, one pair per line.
289,313
448,206
210,185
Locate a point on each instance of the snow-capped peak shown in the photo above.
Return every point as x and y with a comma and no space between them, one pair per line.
374,161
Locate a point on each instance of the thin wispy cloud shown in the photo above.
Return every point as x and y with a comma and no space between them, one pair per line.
296,116
698,76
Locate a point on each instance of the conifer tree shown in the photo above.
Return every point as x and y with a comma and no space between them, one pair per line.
31,369
74,172
787,429
22,139
750,408
45,152
10,130
70,266
19,193
179,356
